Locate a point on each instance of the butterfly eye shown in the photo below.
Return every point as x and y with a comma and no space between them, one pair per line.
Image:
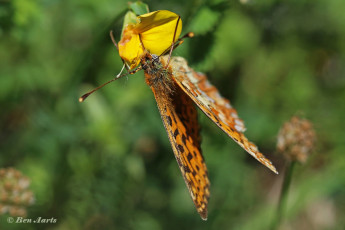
148,60
155,58
144,66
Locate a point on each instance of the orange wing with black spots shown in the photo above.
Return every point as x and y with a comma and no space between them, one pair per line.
217,108
179,116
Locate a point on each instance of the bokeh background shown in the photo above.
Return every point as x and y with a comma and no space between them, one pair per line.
107,163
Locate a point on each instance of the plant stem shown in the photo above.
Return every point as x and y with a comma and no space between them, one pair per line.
283,195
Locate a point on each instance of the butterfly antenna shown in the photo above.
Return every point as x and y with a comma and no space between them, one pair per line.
111,33
82,98
179,42
173,42
187,35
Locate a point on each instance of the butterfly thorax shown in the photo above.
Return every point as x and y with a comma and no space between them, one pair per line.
157,76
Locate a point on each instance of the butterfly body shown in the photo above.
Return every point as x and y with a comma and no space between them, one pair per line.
179,116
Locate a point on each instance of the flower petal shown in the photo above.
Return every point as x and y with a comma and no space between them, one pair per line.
130,48
156,29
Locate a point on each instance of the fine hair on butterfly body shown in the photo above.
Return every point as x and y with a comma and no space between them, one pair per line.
157,76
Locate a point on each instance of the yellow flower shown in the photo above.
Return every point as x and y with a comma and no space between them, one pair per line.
156,31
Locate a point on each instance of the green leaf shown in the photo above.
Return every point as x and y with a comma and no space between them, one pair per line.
130,18
139,8
136,8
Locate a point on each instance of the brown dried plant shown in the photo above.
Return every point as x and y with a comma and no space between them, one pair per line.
15,194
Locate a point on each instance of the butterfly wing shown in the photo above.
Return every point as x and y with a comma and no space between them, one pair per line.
217,108
179,117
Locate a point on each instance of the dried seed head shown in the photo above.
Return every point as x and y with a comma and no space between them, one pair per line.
15,195
296,139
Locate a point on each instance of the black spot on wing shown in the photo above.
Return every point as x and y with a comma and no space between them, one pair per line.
176,132
169,120
179,162
184,139
186,169
180,148
194,153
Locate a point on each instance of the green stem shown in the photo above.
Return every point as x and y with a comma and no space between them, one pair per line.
283,195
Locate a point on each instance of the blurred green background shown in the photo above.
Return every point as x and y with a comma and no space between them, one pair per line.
107,163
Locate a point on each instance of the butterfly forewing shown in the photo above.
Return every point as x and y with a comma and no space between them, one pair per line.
217,108
179,117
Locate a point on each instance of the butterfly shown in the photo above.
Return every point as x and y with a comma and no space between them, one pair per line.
177,88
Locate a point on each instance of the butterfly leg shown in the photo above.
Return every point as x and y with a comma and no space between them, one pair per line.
111,33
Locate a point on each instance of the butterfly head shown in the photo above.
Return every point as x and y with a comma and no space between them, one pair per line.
151,63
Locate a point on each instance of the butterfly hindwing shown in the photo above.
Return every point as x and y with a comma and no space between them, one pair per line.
217,108
179,117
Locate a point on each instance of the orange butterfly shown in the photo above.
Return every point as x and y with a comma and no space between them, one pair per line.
177,88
